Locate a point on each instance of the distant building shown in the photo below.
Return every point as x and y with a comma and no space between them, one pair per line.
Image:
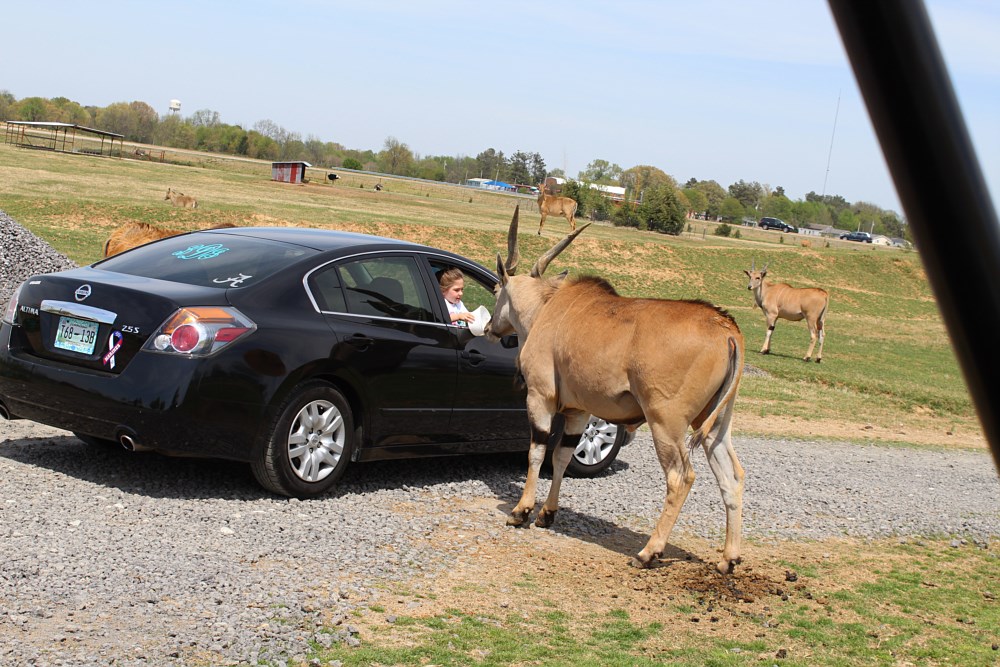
612,192
489,184
289,172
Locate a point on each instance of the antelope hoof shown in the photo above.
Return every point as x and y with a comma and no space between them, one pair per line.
806,359
727,566
641,563
818,359
545,518
518,518
765,351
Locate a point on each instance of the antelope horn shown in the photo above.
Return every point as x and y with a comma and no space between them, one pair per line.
753,262
539,268
765,268
512,255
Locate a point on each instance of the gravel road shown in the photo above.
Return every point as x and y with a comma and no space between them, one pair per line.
110,557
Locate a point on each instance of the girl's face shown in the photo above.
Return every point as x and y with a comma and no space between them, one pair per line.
453,293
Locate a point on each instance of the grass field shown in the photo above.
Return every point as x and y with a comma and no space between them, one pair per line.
889,374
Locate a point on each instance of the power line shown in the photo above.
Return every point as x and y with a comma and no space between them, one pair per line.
830,154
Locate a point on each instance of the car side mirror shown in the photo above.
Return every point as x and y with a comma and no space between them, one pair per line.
508,341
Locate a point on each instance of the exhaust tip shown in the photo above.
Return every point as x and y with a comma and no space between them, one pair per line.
128,440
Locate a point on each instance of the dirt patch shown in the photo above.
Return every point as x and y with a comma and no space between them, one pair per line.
530,574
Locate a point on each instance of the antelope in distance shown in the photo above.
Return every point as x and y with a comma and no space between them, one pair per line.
133,234
586,350
557,206
780,300
180,199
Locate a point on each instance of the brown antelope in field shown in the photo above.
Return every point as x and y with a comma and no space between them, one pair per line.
557,206
181,199
586,350
133,234
779,300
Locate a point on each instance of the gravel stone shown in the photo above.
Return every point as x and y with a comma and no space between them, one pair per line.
118,558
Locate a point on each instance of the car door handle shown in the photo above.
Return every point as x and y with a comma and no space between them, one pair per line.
473,357
360,341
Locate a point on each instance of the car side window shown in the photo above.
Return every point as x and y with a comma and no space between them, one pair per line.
325,288
477,293
385,287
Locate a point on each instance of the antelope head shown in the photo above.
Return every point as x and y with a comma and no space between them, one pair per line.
756,277
518,296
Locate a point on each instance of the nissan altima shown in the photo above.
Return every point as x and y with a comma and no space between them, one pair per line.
295,350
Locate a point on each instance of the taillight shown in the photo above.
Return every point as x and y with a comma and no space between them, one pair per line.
10,312
199,331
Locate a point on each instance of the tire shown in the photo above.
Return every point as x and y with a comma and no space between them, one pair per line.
309,444
597,450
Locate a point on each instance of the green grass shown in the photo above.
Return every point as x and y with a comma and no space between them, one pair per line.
887,360
927,604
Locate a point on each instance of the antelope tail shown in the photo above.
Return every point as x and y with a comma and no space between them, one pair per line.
723,398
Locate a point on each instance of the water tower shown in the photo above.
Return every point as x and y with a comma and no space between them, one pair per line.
175,106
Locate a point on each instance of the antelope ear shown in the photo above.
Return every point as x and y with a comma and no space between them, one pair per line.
746,272
501,271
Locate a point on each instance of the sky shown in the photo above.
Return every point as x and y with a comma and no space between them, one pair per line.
718,90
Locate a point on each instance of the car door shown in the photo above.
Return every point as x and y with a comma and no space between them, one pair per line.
391,346
489,406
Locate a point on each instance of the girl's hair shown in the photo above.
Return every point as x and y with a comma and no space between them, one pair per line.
450,277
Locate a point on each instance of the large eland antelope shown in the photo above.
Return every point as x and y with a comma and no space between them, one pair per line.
181,199
586,350
790,303
132,234
557,206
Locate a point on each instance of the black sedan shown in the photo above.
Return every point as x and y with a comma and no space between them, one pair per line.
295,350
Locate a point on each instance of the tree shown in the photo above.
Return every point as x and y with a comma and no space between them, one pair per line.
847,220
517,168
396,157
715,195
492,164
205,118
601,171
662,210
7,101
642,177
352,163
146,120
33,109
776,206
271,130
733,210
117,118
697,201
537,169
748,194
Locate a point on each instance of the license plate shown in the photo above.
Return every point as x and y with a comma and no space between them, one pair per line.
76,335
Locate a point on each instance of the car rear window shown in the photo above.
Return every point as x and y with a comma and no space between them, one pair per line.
210,260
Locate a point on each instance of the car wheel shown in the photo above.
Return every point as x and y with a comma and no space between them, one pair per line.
597,449
309,445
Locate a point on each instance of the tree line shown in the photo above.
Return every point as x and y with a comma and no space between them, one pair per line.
653,199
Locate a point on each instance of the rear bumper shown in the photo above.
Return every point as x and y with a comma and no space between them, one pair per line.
160,403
